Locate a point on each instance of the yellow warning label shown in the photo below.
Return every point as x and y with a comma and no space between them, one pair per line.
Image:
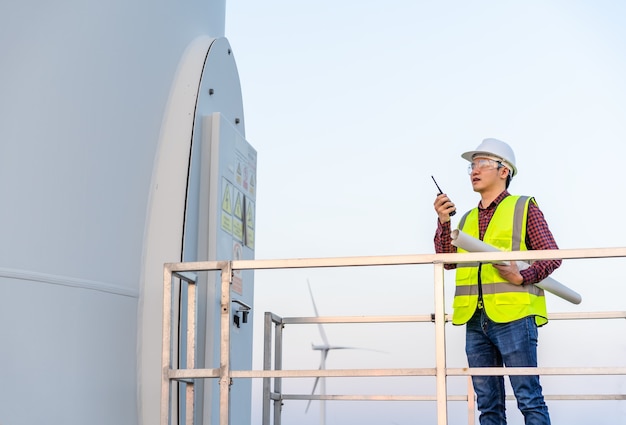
238,229
249,213
250,237
227,223
239,172
249,224
226,198
238,206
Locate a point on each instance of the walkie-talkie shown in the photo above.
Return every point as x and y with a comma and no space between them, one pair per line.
440,192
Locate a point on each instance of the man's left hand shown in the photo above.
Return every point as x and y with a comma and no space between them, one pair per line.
510,272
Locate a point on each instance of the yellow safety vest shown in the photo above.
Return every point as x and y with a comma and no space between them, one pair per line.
503,301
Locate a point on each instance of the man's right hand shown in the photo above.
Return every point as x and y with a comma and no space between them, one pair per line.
444,206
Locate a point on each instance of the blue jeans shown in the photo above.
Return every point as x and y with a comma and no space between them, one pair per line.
514,344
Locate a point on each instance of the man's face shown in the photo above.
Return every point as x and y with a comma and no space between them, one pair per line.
485,174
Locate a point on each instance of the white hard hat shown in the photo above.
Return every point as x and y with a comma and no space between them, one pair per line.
496,149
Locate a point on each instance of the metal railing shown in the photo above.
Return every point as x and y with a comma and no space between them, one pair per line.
224,374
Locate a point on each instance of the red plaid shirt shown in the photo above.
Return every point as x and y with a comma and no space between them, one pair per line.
538,236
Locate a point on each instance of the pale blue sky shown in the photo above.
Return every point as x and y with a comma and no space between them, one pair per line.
352,105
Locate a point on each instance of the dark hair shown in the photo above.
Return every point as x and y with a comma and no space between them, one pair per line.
508,176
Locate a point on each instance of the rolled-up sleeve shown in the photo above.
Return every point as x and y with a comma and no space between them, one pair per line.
539,236
443,241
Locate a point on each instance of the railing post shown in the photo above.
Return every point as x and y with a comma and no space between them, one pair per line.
166,348
471,401
190,386
278,365
440,346
267,365
224,380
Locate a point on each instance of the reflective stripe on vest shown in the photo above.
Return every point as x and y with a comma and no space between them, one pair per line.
503,301
498,288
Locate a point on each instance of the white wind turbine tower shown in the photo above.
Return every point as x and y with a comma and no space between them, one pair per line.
324,348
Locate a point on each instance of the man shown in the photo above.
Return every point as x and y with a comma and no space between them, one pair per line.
500,303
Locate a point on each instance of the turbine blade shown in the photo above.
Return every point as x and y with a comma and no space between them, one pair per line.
319,325
341,347
312,392
315,385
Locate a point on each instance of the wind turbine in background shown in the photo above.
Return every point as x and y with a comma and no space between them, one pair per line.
323,348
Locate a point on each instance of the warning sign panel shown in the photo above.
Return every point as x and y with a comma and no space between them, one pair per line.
227,203
238,215
239,176
226,220
238,205
249,223
237,229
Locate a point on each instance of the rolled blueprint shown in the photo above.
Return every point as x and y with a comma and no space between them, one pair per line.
471,244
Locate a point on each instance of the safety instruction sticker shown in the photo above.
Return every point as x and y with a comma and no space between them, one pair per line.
226,220
237,216
249,223
238,212
245,169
